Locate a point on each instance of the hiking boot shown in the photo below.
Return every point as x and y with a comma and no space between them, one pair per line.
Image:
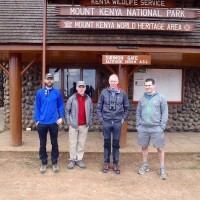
106,168
43,169
116,169
71,164
55,168
81,164
143,169
163,174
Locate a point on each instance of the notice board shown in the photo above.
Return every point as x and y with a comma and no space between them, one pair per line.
168,83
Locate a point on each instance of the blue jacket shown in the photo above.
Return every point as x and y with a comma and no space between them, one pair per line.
49,106
152,112
121,110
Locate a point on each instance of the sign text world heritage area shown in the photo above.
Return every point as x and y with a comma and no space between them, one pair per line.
127,25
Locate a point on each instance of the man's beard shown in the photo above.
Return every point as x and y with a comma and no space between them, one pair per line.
49,85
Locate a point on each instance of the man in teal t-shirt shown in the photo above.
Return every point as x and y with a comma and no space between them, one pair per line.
151,120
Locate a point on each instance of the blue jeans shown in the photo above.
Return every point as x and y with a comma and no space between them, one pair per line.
42,131
111,130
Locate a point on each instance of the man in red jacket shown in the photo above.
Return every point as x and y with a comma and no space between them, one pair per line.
78,113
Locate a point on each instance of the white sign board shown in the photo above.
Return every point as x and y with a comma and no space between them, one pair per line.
168,83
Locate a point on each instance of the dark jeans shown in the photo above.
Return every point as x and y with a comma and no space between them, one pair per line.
42,131
111,131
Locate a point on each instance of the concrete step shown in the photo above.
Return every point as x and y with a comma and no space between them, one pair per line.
175,142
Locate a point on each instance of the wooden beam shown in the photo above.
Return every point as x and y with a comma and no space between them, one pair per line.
44,41
107,66
116,49
152,49
30,64
135,68
110,69
15,86
123,82
4,69
20,48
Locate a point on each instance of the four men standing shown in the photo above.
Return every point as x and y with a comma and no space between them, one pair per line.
112,110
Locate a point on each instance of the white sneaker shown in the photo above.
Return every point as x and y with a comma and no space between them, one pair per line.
143,169
163,174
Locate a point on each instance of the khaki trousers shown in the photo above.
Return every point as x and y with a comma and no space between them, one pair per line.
77,139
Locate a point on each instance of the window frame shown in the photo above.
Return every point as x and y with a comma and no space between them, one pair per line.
81,66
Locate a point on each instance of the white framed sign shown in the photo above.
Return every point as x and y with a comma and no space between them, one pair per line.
168,83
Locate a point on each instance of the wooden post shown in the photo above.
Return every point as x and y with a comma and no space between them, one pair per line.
44,41
15,84
123,82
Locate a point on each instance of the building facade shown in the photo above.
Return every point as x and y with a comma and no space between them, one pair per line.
75,36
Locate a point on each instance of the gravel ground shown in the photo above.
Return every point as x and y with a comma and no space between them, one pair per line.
20,178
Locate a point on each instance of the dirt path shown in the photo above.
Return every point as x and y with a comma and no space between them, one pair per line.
20,179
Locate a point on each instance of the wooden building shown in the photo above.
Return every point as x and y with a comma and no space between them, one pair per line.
70,37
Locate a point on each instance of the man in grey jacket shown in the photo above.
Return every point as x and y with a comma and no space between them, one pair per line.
78,114
151,120
112,110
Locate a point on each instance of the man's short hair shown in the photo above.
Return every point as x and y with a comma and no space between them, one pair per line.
150,79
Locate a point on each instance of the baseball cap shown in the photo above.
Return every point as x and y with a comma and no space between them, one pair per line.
49,75
79,83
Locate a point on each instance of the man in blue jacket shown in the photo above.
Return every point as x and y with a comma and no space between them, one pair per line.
49,112
151,120
112,110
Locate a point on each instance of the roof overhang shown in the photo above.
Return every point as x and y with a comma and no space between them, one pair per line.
92,54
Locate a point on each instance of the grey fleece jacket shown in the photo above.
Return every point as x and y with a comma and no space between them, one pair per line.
153,112
71,111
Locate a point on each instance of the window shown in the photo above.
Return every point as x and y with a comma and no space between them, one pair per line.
65,80
71,76
89,77
57,77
